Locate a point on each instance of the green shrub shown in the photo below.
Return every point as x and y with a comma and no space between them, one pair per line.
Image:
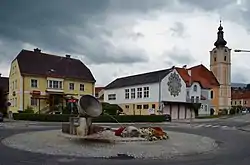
29,110
232,111
111,109
101,119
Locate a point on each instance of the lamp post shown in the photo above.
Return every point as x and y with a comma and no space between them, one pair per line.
239,50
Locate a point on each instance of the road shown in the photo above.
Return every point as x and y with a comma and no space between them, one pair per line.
234,147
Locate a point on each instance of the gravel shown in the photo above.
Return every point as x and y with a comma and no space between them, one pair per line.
53,142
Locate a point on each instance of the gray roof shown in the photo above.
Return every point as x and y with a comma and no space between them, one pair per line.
140,79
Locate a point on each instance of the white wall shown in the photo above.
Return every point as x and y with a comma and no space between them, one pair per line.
194,93
120,94
165,94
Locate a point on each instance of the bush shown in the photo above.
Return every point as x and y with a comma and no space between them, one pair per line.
111,109
233,111
29,110
223,112
102,118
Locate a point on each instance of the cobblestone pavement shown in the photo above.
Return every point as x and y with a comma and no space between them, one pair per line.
51,142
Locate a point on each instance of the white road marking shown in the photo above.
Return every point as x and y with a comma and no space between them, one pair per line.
216,126
208,125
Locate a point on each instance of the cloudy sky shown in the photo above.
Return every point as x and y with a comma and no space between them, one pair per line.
122,37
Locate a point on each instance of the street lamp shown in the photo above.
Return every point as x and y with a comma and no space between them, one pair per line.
239,50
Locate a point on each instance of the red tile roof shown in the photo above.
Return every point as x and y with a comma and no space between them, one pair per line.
42,64
199,74
240,95
98,89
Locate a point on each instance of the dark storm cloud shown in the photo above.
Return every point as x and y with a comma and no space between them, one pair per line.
208,5
53,25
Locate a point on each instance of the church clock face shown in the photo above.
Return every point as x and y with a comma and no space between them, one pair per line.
174,84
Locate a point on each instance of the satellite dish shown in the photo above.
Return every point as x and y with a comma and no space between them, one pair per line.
89,106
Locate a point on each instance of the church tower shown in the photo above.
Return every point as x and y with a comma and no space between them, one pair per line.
220,65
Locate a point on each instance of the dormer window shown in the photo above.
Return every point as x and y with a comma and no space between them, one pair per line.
195,88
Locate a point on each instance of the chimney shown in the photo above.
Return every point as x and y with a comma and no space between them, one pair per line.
190,76
37,50
67,56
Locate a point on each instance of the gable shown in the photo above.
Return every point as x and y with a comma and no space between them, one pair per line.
199,74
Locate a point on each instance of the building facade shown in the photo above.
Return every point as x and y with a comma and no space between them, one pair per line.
241,98
200,84
45,82
159,92
220,65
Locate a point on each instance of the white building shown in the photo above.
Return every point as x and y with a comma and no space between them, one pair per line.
156,92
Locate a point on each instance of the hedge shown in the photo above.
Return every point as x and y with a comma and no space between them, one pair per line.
102,118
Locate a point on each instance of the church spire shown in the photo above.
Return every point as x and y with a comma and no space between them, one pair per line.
220,38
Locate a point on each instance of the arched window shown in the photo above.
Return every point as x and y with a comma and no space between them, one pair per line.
195,88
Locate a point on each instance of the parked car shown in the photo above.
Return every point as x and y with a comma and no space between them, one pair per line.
1,117
168,117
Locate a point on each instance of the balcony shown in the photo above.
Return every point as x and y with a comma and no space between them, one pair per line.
54,86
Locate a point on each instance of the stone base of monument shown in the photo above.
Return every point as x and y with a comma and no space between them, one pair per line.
107,136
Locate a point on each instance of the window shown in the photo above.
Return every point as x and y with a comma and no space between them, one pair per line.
153,106
240,102
54,84
139,107
33,83
15,102
197,99
132,93
195,88
192,99
214,59
127,106
225,58
146,92
112,97
201,106
245,102
235,103
81,87
225,50
126,93
139,92
145,106
212,94
231,103
15,84
33,102
187,93
71,86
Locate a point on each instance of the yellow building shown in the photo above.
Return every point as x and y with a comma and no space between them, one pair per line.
220,65
46,82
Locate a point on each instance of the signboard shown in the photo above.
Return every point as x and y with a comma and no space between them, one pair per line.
36,92
71,100
151,111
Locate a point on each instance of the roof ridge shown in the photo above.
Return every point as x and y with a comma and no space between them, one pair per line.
47,54
143,73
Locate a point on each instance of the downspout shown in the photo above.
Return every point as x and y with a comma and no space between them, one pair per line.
159,102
